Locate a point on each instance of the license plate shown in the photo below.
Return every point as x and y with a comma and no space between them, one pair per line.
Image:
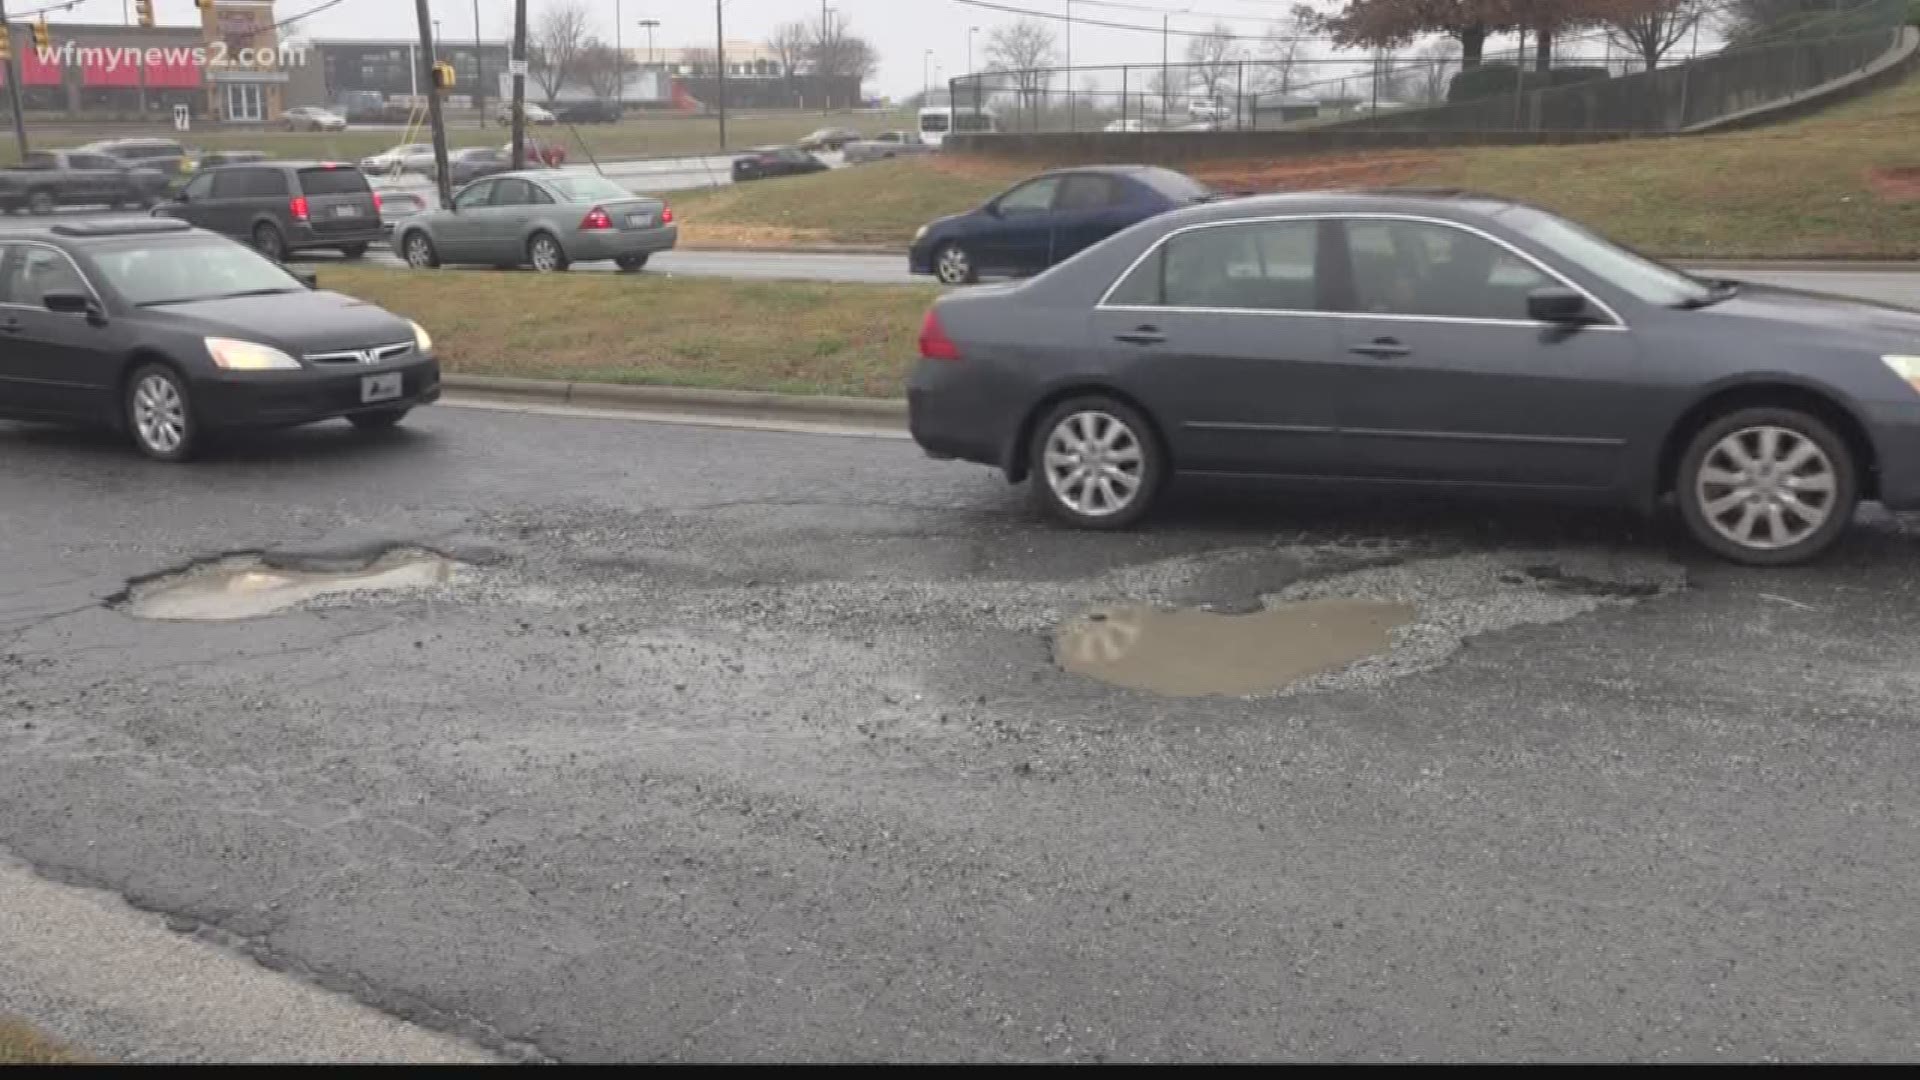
346,211
639,221
380,388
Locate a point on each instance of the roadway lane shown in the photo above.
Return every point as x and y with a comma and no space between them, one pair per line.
757,751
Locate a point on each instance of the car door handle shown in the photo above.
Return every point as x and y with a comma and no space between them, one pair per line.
11,324
1142,335
1384,348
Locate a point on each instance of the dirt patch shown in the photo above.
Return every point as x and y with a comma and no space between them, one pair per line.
1312,174
697,235
22,1045
1895,183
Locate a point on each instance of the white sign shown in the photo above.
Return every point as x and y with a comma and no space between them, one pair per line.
182,118
516,67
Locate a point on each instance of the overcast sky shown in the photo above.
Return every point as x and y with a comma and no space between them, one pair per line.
904,30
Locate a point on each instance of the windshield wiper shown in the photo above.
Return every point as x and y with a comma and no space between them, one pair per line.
256,292
1717,291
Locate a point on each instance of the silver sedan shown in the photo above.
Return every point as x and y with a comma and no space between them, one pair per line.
545,220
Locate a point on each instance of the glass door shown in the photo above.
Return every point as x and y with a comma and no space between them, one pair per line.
244,102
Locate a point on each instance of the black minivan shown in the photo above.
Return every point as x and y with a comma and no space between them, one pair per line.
281,207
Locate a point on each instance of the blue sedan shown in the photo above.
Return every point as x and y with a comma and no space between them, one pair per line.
1048,219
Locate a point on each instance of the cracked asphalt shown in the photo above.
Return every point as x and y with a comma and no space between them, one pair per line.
745,745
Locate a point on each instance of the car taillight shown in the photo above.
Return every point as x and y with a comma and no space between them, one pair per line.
666,215
934,342
596,219
298,208
376,199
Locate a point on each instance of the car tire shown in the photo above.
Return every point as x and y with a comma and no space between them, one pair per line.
1767,486
954,266
159,413
417,249
545,254
379,420
353,251
1096,463
631,263
268,241
41,202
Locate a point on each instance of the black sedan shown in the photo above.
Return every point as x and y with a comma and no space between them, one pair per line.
166,332
1048,219
769,161
1426,341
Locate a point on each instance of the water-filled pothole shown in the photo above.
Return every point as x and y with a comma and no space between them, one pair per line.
244,587
1191,652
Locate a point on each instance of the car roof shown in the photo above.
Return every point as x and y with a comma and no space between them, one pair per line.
277,163
82,231
1429,202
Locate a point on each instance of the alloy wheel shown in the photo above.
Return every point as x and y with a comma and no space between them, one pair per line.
419,252
1094,463
159,414
544,253
1766,487
953,266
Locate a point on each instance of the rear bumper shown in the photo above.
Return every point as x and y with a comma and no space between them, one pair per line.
600,244
949,418
275,399
305,236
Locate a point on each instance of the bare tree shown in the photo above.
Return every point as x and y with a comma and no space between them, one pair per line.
1022,52
1434,67
835,52
1211,58
1650,31
701,61
555,46
599,67
1287,53
789,47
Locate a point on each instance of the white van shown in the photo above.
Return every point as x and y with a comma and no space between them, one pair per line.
935,123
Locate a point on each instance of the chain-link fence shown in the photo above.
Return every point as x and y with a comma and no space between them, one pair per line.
1592,86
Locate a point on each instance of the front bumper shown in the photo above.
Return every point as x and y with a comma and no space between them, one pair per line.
599,244
920,258
285,398
1895,432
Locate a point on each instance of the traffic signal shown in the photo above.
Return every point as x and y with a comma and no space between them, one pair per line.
40,34
203,5
443,76
145,10
6,43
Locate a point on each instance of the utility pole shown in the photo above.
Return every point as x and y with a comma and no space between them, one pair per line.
1166,72
13,86
1070,124
479,68
720,55
619,60
441,179
519,70
826,47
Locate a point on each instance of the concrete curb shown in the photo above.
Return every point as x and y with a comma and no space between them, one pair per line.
888,413
798,249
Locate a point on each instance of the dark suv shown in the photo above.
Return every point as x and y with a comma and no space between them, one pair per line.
590,112
284,206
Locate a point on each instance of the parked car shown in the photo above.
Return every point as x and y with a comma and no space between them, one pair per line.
551,154
312,118
52,178
282,207
1452,343
471,163
167,333
590,112
398,204
833,138
540,219
1046,220
405,158
1114,126
769,161
888,144
209,159
165,155
503,114
1211,111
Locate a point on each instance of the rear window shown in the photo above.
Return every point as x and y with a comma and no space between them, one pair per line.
1176,186
933,122
586,188
340,181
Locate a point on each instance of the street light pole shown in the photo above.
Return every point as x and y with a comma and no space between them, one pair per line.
479,68
13,90
826,37
720,54
926,81
971,30
619,59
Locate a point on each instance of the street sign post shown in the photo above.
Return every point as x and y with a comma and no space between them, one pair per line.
182,118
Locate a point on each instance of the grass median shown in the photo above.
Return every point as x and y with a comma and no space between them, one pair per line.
1843,183
23,1045
788,337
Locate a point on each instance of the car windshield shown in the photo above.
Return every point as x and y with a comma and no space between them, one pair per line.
209,268
587,188
1626,270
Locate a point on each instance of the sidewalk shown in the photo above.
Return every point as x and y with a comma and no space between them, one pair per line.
114,983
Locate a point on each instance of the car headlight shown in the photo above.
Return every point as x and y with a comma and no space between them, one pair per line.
232,355
920,234
421,339
1907,367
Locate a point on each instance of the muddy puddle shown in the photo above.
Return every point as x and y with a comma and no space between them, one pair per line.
244,588
1192,652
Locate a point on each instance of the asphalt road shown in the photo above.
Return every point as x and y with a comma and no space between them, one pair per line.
742,745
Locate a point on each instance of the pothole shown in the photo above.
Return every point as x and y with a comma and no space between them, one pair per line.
244,587
1193,652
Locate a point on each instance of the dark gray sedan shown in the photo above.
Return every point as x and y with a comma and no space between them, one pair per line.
1426,340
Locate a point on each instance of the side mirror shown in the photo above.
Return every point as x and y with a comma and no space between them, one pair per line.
1557,305
181,196
69,303
992,209
305,277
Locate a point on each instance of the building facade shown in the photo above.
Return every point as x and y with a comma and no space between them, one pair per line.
338,71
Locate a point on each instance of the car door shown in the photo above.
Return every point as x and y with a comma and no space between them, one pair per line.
1450,381
1224,332
1090,208
54,364
228,207
458,234
97,179
190,204
1015,231
503,221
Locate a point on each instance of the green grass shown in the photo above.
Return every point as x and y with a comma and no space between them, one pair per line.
1843,183
802,338
640,135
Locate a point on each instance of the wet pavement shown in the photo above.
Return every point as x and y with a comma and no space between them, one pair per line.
747,745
